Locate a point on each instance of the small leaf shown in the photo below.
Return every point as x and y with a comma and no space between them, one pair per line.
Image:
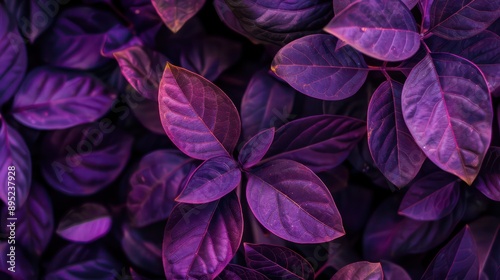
289,200
201,239
256,148
236,272
383,29
488,181
312,66
197,116
212,180
447,108
360,270
175,13
277,262
85,223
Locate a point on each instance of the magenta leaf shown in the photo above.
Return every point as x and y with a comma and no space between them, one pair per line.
393,271
155,184
236,272
456,260
57,99
393,149
197,116
319,142
488,180
447,108
383,29
276,262
16,158
175,13
360,270
212,180
486,233
312,66
256,148
456,20
201,239
266,103
85,223
431,197
290,201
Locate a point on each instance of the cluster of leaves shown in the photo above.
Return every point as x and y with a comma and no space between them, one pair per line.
251,139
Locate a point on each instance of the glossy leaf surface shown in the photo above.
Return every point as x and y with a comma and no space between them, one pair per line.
256,148
360,270
175,13
85,223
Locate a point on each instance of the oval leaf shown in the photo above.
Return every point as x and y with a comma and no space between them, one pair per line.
289,200
447,108
488,181
85,223
175,13
256,148
312,66
212,180
201,239
360,270
197,116
383,29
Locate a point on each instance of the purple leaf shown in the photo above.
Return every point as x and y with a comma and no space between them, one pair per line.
159,178
201,239
456,20
226,16
393,271
145,110
488,180
197,116
456,260
256,148
393,149
312,66
33,17
57,99
175,13
212,180
290,201
431,197
84,159
236,272
15,163
277,262
486,233
85,223
360,270
383,29
340,5
142,68
24,266
447,108
266,103
319,142
118,39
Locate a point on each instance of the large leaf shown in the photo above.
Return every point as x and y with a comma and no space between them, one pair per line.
431,197
392,147
85,223
212,180
456,20
383,29
155,184
14,157
256,148
197,116
360,270
456,260
319,142
488,181
486,233
236,272
175,13
277,262
293,203
201,239
57,99
447,108
314,67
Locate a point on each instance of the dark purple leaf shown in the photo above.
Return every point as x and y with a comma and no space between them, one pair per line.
231,21
277,262
266,103
117,39
85,223
360,270
197,116
392,147
488,181
212,180
383,29
155,184
57,99
201,239
312,66
456,20
256,148
236,272
23,266
339,5
486,233
447,108
15,153
84,159
290,201
33,17
320,142
456,260
145,110
393,271
175,13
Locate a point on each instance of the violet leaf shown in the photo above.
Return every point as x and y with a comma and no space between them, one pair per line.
256,148
312,66
145,110
236,272
393,271
486,233
197,116
226,16
339,5
85,223
33,17
360,270
117,39
488,180
447,108
175,13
